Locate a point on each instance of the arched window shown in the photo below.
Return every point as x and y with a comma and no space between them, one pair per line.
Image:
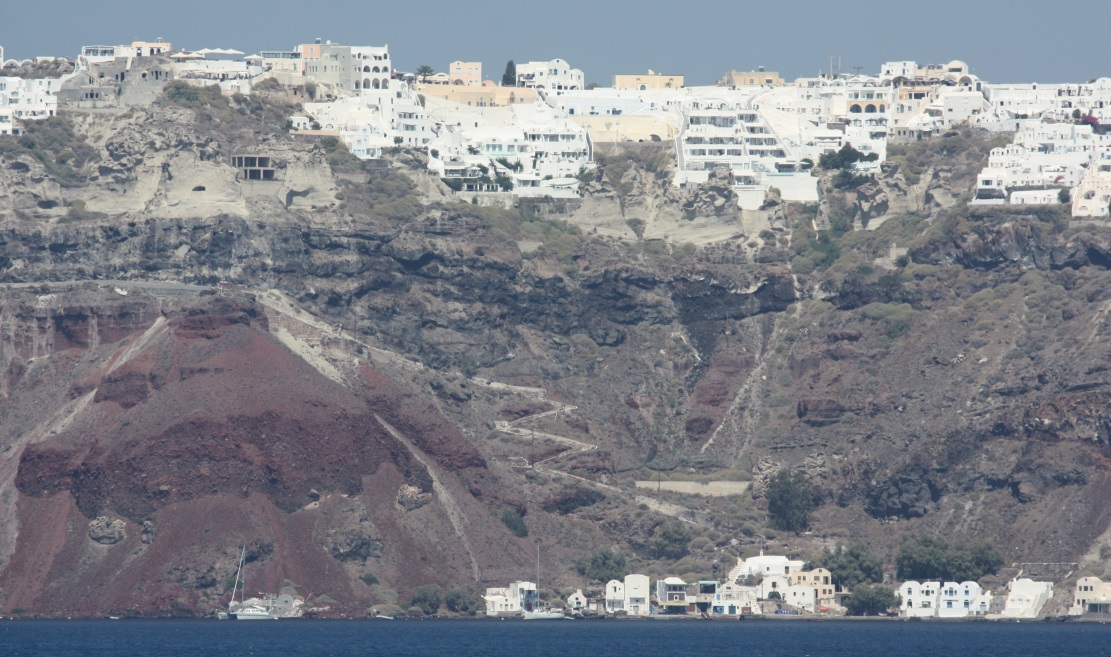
366,83
385,84
855,109
366,68
870,109
376,85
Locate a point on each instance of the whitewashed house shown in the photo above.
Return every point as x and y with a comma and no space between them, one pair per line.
638,593
510,600
802,597
577,601
671,594
777,584
1092,596
958,600
30,99
919,600
615,596
555,75
1025,599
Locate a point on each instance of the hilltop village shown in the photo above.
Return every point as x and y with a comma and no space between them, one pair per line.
532,131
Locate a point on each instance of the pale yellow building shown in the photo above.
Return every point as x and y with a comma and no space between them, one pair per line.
487,95
819,578
465,74
649,80
756,78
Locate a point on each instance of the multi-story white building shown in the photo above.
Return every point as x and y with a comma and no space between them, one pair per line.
30,99
1093,596
638,594
919,600
374,120
555,75
671,595
960,600
540,148
348,68
510,600
733,599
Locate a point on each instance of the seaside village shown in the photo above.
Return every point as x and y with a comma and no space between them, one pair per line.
532,130
777,585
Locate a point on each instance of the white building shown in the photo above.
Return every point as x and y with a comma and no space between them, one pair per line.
510,600
376,119
1025,599
671,594
7,122
919,600
29,99
765,566
1092,198
615,596
733,599
774,584
638,594
534,145
576,601
802,597
1093,596
348,68
959,600
555,75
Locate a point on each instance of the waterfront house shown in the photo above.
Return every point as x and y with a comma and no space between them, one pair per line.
671,594
615,596
1093,596
1025,599
637,593
774,587
919,600
576,601
510,600
959,600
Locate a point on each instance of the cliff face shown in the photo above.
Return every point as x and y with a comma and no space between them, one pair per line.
327,368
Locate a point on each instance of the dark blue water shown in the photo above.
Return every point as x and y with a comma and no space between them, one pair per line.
651,638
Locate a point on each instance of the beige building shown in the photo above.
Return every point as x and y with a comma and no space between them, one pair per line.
756,78
649,80
465,74
487,95
1093,596
819,579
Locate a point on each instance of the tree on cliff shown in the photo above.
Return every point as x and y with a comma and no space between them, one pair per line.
928,558
849,566
509,78
789,501
870,600
672,541
603,565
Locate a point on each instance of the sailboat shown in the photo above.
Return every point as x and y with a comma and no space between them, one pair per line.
244,611
535,611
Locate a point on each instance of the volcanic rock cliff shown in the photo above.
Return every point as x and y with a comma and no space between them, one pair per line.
370,383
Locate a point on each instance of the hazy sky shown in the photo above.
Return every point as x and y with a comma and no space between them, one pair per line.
1002,40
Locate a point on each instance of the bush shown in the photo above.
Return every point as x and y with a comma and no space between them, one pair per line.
369,579
462,601
515,523
849,566
427,599
789,501
871,600
673,540
603,565
929,559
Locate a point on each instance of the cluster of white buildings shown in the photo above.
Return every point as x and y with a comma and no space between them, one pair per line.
774,580
1025,598
535,138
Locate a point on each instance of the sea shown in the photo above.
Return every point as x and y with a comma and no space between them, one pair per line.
556,638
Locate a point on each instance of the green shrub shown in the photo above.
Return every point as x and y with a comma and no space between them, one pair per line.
369,579
515,523
789,501
427,599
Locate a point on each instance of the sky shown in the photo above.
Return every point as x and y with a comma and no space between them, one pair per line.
1001,40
